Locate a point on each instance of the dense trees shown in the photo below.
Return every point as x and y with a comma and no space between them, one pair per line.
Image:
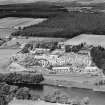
98,57
1,42
23,93
56,96
67,25
22,78
61,97
48,45
75,48
45,45
27,48
6,93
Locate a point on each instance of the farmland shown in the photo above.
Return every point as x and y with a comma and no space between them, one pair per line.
90,39
6,33
11,24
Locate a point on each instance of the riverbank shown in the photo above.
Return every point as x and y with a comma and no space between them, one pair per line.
14,95
30,102
82,81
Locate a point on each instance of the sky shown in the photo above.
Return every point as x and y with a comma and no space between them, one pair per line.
28,1
20,1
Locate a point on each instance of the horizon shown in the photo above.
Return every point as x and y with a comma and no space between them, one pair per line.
4,2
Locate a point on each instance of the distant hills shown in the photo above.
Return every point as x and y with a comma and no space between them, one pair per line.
5,2
61,22
68,25
38,9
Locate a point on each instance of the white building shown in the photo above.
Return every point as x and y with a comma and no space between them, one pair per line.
62,69
40,50
92,70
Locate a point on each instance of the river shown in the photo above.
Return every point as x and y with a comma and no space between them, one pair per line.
96,98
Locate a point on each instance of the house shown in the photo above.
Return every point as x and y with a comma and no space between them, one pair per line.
61,69
61,45
58,51
92,70
39,51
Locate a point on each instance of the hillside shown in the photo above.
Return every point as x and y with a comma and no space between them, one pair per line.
61,22
67,25
37,9
89,39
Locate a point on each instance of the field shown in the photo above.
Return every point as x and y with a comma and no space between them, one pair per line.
13,42
5,54
89,39
11,24
84,81
5,33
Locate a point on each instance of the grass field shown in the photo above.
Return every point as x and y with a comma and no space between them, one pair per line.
5,54
89,39
5,33
30,39
13,22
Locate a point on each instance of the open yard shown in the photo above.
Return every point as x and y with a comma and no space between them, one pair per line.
5,54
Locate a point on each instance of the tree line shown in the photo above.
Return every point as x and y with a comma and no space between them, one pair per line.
98,57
